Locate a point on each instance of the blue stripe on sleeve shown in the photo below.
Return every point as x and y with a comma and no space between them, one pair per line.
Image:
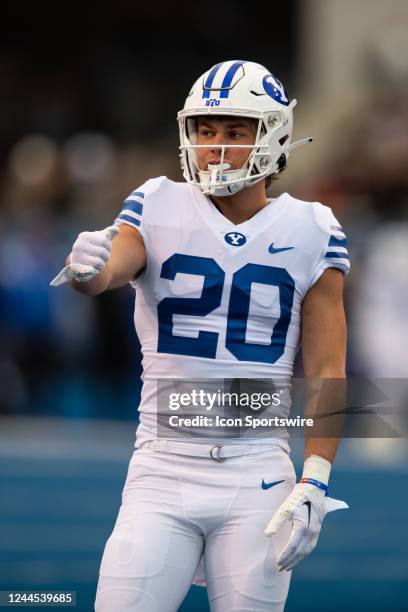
129,219
339,242
136,207
139,194
336,254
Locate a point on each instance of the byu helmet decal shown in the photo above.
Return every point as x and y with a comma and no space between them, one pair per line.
240,89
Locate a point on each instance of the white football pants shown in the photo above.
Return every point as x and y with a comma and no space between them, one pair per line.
178,509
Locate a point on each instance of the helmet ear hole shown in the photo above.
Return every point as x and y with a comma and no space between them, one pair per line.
281,163
283,139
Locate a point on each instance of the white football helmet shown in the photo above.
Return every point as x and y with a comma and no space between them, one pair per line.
243,89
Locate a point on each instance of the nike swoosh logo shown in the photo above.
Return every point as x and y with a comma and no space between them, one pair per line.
309,510
268,485
273,250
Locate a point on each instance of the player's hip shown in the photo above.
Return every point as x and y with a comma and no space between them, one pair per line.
206,480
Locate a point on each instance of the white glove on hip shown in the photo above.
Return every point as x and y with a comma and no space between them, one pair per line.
306,506
90,252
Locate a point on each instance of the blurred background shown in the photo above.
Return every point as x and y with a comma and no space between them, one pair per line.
88,111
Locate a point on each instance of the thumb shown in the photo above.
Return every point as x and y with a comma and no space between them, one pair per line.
331,504
111,232
280,517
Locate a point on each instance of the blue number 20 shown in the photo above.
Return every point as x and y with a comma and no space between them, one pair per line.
205,345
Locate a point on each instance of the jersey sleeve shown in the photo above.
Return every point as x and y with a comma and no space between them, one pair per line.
138,208
135,206
333,244
132,210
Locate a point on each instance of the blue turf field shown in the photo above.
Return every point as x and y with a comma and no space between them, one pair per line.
60,494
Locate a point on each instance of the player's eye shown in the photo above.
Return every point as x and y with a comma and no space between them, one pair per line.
206,133
235,134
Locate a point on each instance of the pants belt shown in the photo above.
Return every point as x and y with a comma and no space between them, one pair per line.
217,452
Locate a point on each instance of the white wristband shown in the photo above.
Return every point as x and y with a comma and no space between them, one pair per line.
318,468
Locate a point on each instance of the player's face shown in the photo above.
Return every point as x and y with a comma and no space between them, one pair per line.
223,131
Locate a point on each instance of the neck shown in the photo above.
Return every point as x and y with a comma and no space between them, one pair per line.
243,205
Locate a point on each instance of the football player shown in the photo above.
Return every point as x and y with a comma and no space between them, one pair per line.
229,282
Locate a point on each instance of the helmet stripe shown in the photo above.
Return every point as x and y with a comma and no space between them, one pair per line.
228,79
210,79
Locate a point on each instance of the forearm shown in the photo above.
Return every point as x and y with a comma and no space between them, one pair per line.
324,357
326,406
324,447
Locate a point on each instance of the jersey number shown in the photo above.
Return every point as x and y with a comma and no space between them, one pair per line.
205,345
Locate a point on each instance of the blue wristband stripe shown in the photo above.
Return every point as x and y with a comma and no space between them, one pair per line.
316,483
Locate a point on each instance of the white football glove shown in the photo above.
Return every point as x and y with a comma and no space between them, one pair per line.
90,252
306,507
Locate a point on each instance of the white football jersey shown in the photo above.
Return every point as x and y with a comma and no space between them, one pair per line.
219,300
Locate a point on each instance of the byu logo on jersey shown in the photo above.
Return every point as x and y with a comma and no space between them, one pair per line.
275,89
235,239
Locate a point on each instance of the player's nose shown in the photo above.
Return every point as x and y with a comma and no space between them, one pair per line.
216,151
219,138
